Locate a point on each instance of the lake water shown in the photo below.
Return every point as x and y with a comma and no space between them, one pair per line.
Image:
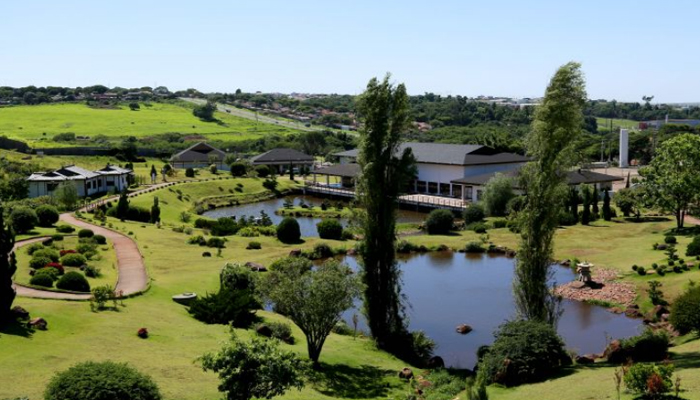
306,225
445,289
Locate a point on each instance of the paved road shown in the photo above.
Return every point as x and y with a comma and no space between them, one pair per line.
253,116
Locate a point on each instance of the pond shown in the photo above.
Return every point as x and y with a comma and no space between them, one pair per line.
445,289
307,225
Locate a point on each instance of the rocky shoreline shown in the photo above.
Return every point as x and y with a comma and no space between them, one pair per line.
607,289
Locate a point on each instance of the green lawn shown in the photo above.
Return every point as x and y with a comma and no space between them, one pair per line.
604,123
106,262
38,124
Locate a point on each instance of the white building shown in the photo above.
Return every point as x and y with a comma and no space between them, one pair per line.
87,183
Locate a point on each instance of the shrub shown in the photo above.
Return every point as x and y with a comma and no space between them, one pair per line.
641,271
649,379
85,233
189,173
51,254
649,346
474,213
534,351
39,262
64,228
238,169
248,231
347,235
197,239
499,223
139,214
57,238
102,294
281,331
74,281
47,215
217,242
42,279
234,303
34,247
478,227
204,223
443,385
55,266
288,231
670,239
85,247
322,250
262,170
101,380
92,271
99,239
405,246
254,246
23,219
64,252
330,229
342,328
474,247
73,260
439,222
685,312
693,247
185,217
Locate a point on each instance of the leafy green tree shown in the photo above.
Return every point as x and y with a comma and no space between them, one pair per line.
8,266
255,369
384,111
205,112
47,215
607,211
633,200
673,177
586,195
134,106
67,195
123,205
23,219
313,298
556,125
155,211
497,194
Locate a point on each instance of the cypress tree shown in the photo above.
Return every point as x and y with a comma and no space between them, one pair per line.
155,211
586,214
594,203
384,111
607,212
291,171
8,266
122,205
573,204
556,125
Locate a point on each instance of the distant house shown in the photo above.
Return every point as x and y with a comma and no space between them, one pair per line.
282,159
456,170
87,183
199,155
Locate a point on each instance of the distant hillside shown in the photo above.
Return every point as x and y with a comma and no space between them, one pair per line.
38,125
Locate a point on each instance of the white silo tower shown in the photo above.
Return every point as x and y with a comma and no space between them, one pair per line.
624,148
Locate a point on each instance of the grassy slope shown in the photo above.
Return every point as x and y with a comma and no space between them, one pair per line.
76,334
29,123
224,190
107,263
604,123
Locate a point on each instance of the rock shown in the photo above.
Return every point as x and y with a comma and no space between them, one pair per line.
662,246
616,310
255,267
352,252
206,254
142,333
436,362
19,313
665,316
577,285
659,310
565,263
406,374
510,253
185,298
464,329
614,353
264,330
633,312
38,323
295,253
585,359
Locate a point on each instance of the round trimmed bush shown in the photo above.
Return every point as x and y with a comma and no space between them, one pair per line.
533,349
86,233
73,260
670,239
39,262
65,228
262,170
439,222
47,215
685,312
57,238
330,229
288,231
217,242
23,219
48,253
238,169
101,381
99,239
693,247
74,281
189,173
44,280
34,247
474,213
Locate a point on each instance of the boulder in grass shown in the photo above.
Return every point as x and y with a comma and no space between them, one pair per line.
436,362
295,253
19,313
406,374
38,323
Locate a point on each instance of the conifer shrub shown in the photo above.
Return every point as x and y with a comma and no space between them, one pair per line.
47,215
85,233
288,231
330,229
439,222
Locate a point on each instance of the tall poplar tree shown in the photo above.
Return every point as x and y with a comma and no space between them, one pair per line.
8,266
123,205
557,123
386,172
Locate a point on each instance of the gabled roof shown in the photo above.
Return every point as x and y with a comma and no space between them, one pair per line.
114,170
198,152
452,154
572,177
73,173
281,155
345,170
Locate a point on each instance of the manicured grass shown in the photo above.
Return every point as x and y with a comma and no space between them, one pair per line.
38,124
107,263
316,212
604,123
354,369
174,200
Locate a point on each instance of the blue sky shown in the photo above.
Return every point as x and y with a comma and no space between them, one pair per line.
506,48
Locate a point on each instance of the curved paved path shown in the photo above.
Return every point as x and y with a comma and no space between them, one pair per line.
132,271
